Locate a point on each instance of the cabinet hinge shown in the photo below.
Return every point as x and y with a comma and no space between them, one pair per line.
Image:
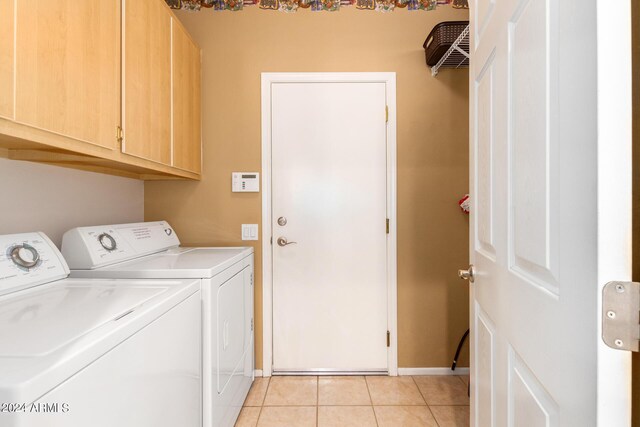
386,114
387,225
621,315
388,339
119,134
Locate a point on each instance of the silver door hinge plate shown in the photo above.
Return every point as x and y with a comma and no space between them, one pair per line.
621,315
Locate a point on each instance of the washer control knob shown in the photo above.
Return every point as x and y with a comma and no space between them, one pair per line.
107,242
24,255
168,231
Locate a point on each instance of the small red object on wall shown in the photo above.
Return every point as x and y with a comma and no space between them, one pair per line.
465,204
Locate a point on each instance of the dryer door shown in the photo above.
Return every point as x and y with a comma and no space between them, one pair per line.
232,330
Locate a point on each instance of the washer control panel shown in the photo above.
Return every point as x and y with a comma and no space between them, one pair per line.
29,259
86,248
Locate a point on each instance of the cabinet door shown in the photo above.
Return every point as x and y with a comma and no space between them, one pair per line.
187,147
68,67
6,58
147,80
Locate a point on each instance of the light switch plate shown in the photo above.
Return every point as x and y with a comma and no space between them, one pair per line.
249,231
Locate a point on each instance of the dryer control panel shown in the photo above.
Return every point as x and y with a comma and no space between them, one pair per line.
29,259
86,248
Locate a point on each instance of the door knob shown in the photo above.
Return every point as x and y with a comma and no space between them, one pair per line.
467,274
282,241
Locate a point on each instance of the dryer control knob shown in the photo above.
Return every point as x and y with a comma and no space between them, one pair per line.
107,242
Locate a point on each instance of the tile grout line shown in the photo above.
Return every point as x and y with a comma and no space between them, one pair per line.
263,399
433,415
259,415
419,391
373,408
425,401
266,391
449,404
368,390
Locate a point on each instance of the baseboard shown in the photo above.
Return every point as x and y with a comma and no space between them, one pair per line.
257,373
432,371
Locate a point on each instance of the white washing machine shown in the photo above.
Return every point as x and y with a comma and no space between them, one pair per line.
151,251
94,352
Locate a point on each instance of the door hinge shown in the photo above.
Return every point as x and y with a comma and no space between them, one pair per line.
621,315
387,225
119,135
252,324
388,339
386,114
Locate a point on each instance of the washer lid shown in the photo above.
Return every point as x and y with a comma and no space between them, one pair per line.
50,332
178,263
38,323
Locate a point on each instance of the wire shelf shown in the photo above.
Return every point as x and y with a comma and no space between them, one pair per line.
457,56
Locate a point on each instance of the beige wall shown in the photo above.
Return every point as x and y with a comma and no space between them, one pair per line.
432,150
54,199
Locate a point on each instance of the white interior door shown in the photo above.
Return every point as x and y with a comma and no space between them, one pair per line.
549,225
329,201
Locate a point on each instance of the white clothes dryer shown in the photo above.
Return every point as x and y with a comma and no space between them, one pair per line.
151,251
94,352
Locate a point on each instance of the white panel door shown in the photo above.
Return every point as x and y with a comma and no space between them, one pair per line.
329,185
540,236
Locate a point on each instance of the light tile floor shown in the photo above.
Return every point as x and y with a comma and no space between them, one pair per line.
433,401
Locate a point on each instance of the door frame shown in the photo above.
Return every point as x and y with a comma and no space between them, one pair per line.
268,79
615,193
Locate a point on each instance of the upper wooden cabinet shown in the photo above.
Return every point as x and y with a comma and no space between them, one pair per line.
68,68
187,150
6,58
84,71
147,80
